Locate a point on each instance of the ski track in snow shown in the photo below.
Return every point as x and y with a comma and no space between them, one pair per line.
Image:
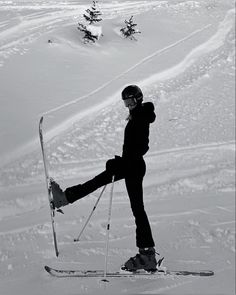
215,42
211,45
28,28
193,176
143,83
14,38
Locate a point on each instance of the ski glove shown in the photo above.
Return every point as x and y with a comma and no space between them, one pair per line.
114,165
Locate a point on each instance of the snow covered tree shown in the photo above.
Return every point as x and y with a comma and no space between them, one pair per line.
90,31
129,30
88,34
93,14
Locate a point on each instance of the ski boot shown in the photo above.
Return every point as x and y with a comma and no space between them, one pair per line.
144,260
59,197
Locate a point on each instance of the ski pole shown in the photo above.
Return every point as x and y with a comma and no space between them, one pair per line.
90,215
108,229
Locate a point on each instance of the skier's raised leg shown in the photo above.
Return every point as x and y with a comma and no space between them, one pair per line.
74,193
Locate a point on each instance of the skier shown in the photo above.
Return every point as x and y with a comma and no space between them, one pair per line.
131,167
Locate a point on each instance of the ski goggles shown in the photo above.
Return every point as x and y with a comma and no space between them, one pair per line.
130,102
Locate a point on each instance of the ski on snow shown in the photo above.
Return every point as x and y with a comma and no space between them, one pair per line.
62,273
48,186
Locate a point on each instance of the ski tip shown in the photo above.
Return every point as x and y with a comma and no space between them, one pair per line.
159,263
41,120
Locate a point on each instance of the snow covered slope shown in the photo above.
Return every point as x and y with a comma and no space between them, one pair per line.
184,61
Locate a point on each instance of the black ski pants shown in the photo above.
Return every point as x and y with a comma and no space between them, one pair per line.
132,171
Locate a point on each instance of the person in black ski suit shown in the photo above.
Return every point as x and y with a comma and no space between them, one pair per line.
130,167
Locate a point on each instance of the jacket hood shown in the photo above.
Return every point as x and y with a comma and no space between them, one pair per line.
147,111
144,111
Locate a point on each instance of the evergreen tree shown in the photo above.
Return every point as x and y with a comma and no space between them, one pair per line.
93,14
88,36
129,30
91,33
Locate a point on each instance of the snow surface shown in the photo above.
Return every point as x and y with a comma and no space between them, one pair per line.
184,60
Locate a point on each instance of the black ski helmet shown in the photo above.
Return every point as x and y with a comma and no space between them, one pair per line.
132,91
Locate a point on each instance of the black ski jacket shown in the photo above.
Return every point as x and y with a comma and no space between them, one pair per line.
136,135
